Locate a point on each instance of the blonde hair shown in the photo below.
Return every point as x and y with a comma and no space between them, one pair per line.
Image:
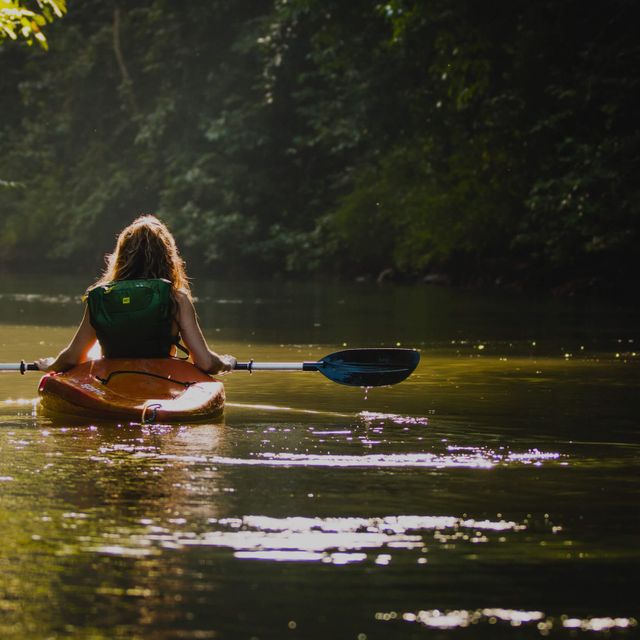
146,249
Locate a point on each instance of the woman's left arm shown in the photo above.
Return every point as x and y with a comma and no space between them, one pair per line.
75,352
191,334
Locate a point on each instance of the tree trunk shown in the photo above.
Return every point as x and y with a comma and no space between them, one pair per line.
127,83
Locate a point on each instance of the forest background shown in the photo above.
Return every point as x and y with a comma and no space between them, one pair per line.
448,141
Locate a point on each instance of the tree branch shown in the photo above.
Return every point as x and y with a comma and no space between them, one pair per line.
127,83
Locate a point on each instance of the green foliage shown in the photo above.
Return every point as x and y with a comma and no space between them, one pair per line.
323,135
17,20
411,215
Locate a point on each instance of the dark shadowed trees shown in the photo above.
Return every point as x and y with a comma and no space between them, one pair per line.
489,143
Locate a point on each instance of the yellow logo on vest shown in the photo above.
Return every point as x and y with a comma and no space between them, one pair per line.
126,300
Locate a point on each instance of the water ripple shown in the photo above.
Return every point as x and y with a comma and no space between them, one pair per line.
466,457
338,540
38,297
461,618
370,416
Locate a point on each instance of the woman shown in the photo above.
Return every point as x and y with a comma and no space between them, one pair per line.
141,306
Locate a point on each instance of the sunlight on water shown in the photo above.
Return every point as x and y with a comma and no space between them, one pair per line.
453,619
276,408
116,550
301,556
20,402
59,299
327,540
469,457
372,416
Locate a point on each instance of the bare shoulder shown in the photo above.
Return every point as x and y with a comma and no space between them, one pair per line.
185,305
183,298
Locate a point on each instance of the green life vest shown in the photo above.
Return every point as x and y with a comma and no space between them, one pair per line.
133,318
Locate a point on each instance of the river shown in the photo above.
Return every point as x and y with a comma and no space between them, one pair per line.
494,494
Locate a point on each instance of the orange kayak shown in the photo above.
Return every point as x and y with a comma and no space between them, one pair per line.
140,390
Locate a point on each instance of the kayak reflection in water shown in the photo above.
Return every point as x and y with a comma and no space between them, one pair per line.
141,307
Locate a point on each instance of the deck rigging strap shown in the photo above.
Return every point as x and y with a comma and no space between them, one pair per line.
143,373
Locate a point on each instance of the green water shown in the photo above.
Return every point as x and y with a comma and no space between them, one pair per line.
494,494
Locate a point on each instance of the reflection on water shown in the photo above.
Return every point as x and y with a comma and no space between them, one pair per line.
476,458
296,539
253,535
493,494
13,298
544,624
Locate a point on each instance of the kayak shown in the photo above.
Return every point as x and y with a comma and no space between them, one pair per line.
138,390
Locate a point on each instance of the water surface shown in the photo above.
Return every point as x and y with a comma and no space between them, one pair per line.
493,494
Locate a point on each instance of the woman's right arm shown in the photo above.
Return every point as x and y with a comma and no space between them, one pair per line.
191,334
76,351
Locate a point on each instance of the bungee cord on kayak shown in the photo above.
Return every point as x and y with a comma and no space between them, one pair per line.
119,372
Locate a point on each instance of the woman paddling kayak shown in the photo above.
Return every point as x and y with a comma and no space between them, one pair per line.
139,311
141,307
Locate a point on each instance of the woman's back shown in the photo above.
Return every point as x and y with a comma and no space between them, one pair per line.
133,318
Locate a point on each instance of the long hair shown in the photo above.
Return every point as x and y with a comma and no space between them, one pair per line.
146,249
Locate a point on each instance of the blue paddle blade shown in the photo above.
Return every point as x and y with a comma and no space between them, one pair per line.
369,367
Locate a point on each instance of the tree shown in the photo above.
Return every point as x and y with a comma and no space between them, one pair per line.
321,135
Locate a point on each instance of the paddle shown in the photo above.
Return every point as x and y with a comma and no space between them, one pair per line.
353,367
21,366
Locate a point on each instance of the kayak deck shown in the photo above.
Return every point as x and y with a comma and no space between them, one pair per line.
142,390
